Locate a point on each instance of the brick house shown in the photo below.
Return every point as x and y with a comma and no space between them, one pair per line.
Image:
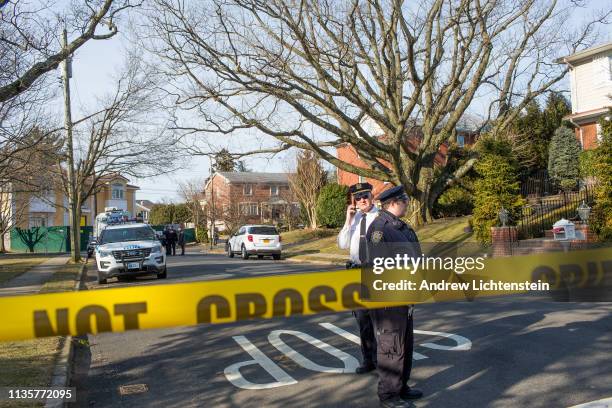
466,136
254,198
591,90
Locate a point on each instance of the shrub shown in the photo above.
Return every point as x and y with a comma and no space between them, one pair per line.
202,235
586,161
331,205
454,202
497,185
601,219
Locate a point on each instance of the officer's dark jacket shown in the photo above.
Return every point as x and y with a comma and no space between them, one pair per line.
388,236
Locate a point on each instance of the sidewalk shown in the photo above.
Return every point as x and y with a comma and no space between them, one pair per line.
33,280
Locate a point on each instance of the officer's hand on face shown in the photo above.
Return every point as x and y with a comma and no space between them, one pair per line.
350,212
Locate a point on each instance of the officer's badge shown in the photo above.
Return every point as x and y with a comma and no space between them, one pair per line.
377,236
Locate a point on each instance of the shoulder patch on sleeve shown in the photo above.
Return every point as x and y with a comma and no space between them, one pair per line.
377,236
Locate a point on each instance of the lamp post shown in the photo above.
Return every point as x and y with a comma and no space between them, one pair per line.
583,212
503,216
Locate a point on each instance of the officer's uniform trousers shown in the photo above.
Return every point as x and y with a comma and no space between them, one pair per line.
394,334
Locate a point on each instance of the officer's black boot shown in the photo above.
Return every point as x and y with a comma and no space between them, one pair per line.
396,402
411,394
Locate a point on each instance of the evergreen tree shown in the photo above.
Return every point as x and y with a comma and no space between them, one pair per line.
497,186
331,205
563,158
533,130
224,161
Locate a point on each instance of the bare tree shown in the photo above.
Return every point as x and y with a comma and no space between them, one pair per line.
29,33
191,191
232,213
123,138
318,73
306,183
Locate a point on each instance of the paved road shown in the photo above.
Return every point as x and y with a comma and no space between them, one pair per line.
502,353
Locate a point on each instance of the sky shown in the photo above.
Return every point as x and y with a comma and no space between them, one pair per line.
92,70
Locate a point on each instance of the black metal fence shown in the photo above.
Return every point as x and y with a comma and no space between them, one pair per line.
539,184
542,212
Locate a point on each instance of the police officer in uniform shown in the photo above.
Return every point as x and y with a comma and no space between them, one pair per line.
359,216
387,236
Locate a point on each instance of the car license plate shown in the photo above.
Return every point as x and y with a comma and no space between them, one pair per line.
266,241
133,265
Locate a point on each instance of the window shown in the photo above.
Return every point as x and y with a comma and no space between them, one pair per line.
263,230
38,222
127,234
274,190
117,192
460,140
247,189
249,209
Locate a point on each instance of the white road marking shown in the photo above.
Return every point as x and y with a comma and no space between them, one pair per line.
462,342
350,363
355,339
233,375
602,403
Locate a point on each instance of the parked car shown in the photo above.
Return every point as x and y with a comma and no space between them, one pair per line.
257,240
129,250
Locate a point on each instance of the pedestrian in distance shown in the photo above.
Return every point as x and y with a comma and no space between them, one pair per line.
360,214
166,235
181,239
387,236
172,238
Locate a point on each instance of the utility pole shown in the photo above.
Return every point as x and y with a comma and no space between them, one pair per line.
71,190
212,207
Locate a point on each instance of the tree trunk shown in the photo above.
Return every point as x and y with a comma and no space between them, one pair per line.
313,217
421,202
75,231
2,247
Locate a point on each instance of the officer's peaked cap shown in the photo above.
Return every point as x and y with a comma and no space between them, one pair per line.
360,188
394,192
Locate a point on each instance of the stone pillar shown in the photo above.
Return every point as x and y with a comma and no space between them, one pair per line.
502,239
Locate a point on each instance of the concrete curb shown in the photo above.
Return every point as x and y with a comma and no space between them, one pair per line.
63,365
316,262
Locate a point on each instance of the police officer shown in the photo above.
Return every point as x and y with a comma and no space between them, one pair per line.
387,236
359,215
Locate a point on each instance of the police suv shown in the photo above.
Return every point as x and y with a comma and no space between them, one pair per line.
124,250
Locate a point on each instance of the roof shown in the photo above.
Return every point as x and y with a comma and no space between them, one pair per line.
589,52
592,114
145,203
253,177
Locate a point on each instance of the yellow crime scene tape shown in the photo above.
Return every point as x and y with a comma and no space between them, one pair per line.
226,301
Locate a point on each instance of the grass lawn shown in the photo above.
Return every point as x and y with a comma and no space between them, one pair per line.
30,363
27,364
12,265
63,280
320,245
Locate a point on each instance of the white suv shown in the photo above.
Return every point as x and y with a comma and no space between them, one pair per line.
257,240
129,250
